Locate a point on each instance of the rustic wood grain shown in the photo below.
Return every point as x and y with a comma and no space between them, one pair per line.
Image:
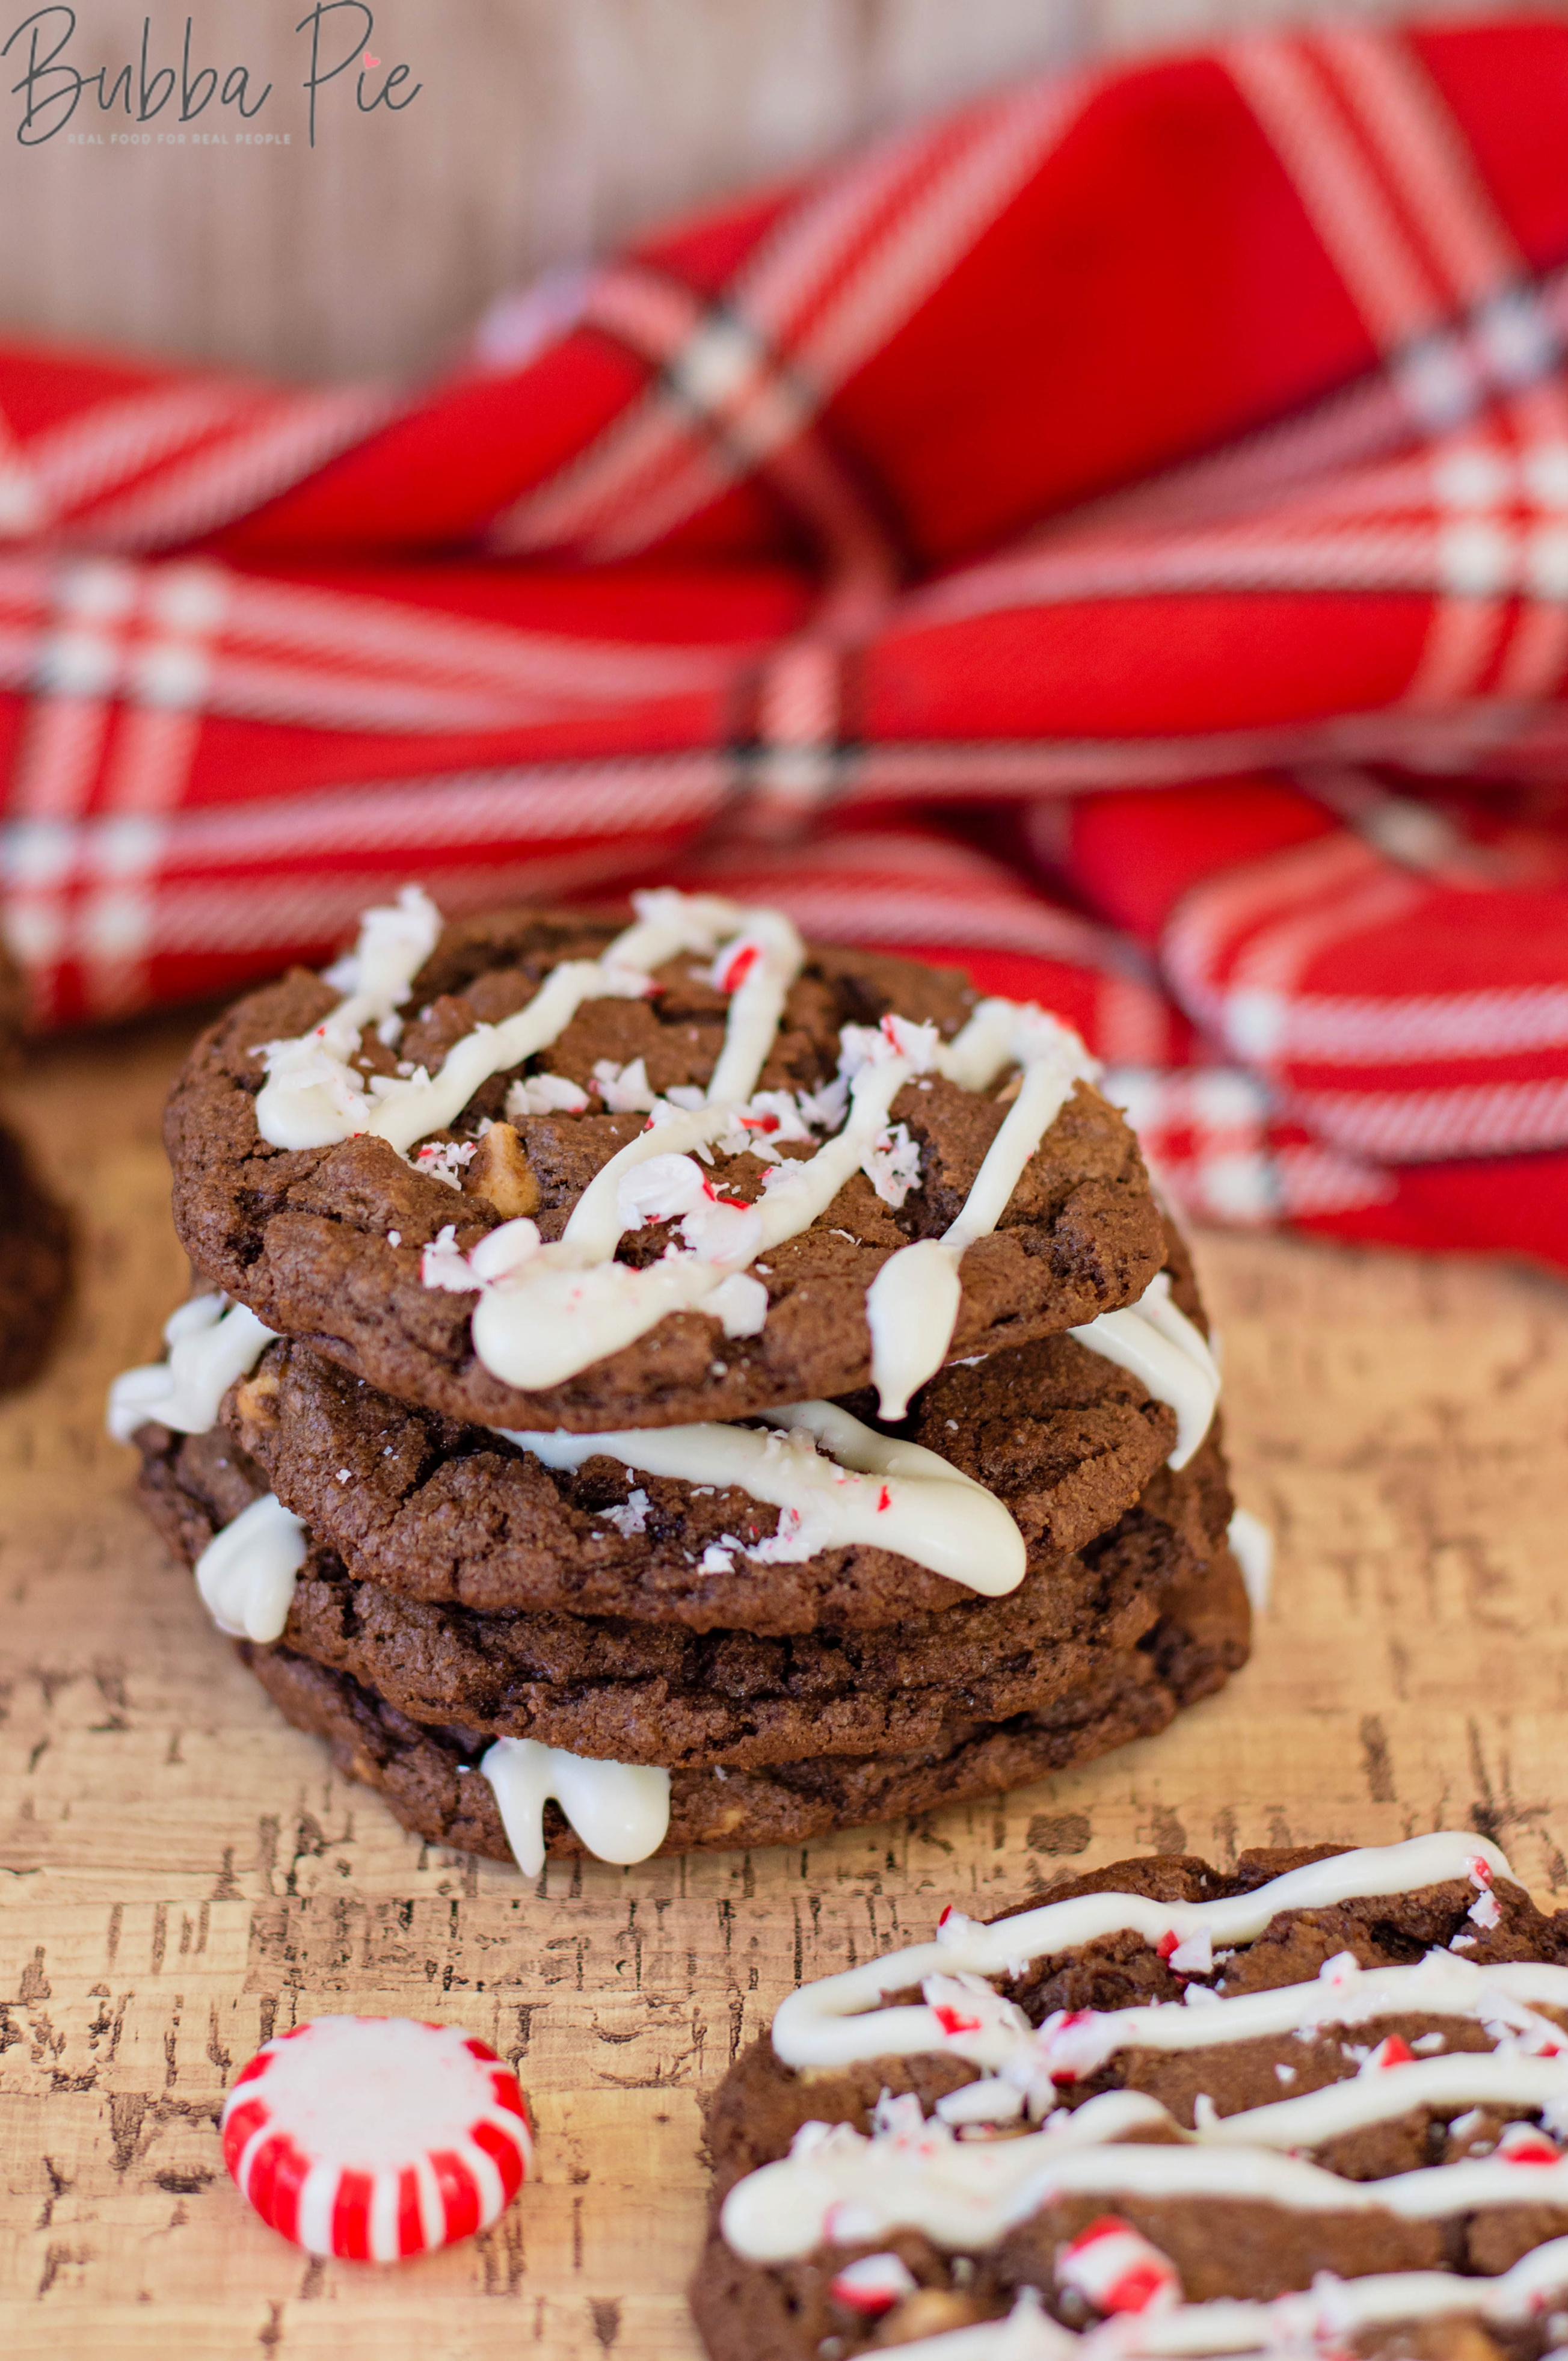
181,1873
545,130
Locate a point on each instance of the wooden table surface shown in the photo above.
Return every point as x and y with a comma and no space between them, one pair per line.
181,1873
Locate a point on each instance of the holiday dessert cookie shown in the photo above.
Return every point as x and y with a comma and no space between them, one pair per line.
717,1634
1063,1439
538,1172
1312,2103
614,1689
452,1786
35,1266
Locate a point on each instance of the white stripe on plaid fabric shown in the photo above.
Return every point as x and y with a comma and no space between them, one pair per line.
105,446
1384,277
260,456
24,506
1214,1142
1246,1009
1503,340
146,776
1236,943
1407,1127
1362,1030
825,293
295,653
261,922
1515,339
640,799
76,671
801,258
888,890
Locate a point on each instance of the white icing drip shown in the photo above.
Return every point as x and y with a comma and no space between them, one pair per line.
568,1305
622,1810
763,964
1157,1342
911,1305
890,1494
968,2193
836,2021
209,1347
1322,2319
247,1573
1252,1546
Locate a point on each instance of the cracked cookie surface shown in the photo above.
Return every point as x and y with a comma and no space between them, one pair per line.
325,1243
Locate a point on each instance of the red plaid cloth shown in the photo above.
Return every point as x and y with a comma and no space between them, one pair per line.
1117,536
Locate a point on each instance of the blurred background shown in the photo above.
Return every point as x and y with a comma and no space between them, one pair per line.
546,130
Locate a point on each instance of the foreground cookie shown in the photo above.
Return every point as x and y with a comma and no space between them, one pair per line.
532,1172
1314,2104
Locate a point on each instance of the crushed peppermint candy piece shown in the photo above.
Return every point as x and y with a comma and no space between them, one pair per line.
443,1159
872,2285
373,2137
892,1165
1116,2268
1479,1871
631,1517
625,1090
1394,2051
1526,2144
544,1095
1485,1911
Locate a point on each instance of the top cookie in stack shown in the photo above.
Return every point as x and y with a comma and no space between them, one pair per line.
541,1208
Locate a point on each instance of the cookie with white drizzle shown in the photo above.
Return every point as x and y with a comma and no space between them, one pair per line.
434,1777
831,1082
630,1692
1061,1441
1331,2062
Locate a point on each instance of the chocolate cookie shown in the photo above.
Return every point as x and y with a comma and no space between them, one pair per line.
1337,2078
12,1010
35,1266
430,1775
327,1242
627,1692
445,1512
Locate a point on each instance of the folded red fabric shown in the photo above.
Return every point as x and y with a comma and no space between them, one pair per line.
1117,537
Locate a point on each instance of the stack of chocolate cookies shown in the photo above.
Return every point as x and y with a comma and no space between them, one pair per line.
673,1385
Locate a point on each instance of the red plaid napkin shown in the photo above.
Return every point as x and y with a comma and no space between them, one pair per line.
1117,536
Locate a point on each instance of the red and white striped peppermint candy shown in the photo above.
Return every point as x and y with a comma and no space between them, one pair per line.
372,2138
1116,2268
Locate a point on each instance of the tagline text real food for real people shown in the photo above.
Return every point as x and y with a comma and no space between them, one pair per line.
336,38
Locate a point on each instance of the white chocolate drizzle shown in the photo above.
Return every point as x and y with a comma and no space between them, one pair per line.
837,2185
911,1305
841,2187
1252,1545
1323,2319
871,1489
247,1572
313,1096
620,1810
547,1311
837,2020
1157,1342
211,1343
